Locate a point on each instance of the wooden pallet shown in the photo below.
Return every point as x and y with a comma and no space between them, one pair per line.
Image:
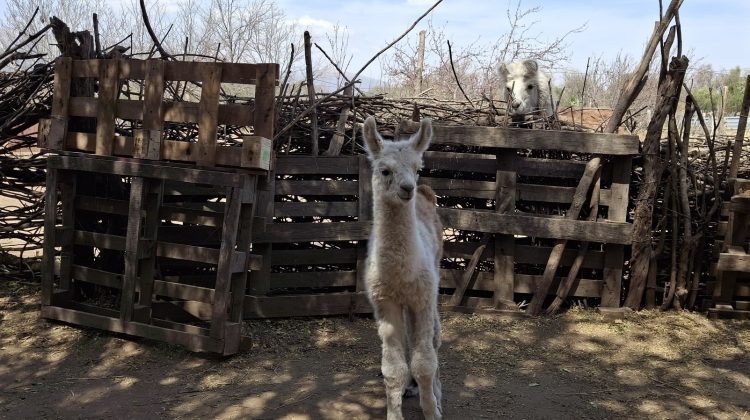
332,195
148,249
147,119
731,290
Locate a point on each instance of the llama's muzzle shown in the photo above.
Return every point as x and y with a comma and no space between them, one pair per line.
406,191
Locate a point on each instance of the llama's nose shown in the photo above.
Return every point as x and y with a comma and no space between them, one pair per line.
515,104
406,191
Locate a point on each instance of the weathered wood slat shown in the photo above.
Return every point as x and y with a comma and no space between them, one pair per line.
208,113
58,126
179,112
148,140
518,138
314,256
190,341
328,209
312,232
523,283
322,187
576,230
734,262
525,254
313,279
306,305
524,166
326,165
106,107
145,169
242,73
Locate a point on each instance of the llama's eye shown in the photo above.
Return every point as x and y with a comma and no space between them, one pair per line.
385,172
529,87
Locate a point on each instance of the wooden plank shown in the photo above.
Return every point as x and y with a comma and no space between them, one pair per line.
106,107
314,256
305,305
325,209
149,146
133,246
265,97
208,112
734,262
325,165
127,167
178,112
313,279
152,200
364,214
48,248
58,129
504,250
525,254
593,169
68,184
313,232
316,187
575,230
523,283
224,269
242,73
524,166
192,342
615,253
463,284
518,138
260,280
256,152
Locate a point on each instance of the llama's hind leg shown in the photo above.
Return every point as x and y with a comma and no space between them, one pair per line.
395,370
424,363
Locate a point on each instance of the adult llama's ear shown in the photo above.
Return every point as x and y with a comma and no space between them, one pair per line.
373,141
421,140
531,66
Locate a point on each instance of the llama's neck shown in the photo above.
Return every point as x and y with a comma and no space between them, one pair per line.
395,225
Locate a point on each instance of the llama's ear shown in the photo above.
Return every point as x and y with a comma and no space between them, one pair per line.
531,66
421,140
503,70
373,141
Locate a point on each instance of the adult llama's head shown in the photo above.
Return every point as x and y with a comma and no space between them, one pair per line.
524,88
395,163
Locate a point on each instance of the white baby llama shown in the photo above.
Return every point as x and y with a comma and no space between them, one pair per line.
402,274
525,89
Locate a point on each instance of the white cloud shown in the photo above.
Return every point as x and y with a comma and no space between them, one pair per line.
310,22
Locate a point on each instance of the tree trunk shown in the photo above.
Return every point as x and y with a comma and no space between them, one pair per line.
669,93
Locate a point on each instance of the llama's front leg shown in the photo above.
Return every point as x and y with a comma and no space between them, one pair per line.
424,363
395,370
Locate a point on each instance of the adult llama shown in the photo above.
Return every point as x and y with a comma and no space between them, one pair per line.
526,90
402,274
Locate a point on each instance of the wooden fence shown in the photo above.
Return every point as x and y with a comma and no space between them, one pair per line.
317,215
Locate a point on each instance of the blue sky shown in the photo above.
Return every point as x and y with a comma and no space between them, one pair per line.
715,31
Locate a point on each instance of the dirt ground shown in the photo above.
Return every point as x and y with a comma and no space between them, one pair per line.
650,365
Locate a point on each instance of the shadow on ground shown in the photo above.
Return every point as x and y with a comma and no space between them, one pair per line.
673,365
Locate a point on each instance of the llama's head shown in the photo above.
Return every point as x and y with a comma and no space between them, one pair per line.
395,163
520,86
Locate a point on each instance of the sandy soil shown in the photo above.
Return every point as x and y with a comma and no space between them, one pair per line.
650,365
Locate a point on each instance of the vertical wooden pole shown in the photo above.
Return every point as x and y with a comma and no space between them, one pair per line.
50,221
224,270
132,248
504,273
311,94
148,140
739,138
364,214
208,114
68,195
147,265
107,107
55,140
614,255
420,64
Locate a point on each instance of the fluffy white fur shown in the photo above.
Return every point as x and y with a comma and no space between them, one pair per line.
525,88
402,274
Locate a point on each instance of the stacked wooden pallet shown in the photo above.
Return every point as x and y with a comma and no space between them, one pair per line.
147,246
318,221
731,291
